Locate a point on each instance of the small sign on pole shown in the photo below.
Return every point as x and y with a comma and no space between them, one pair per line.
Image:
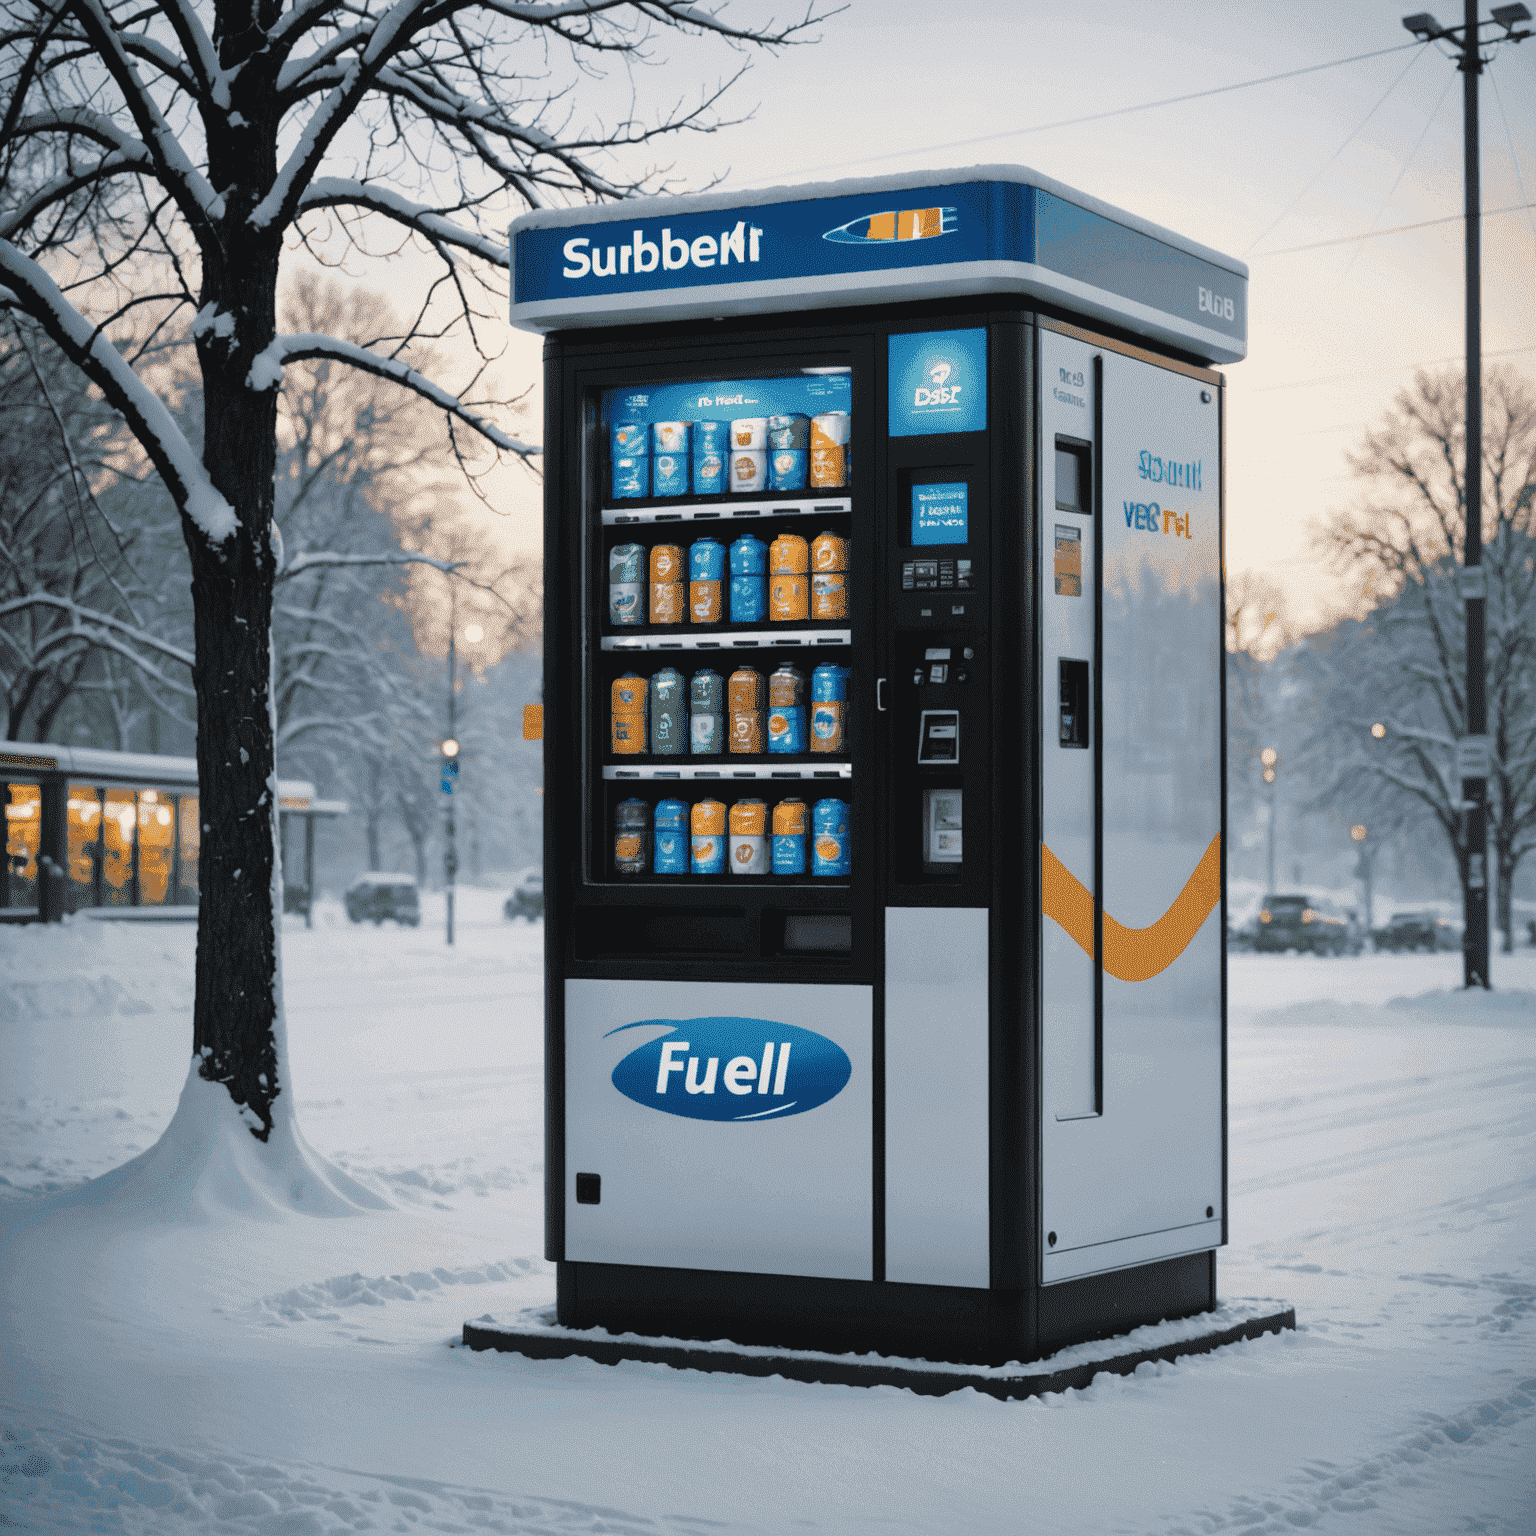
1473,757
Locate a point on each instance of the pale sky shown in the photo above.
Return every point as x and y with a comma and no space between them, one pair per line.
1334,332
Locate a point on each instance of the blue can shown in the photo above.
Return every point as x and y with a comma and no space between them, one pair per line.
706,560
787,469
831,853
631,440
669,474
829,682
711,438
786,728
749,557
749,599
709,474
706,705
631,477
671,838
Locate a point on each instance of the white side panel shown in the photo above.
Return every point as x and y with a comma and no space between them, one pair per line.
936,1118
1067,1036
1149,1168
789,1196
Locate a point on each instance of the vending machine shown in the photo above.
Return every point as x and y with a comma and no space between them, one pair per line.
883,723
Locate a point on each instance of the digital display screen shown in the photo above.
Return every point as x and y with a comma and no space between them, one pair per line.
940,513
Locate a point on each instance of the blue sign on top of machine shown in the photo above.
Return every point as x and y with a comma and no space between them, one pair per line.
938,383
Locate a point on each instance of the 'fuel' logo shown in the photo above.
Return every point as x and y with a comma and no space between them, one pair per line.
908,224
1149,517
730,1068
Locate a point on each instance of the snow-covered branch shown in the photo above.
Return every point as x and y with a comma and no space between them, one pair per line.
267,373
341,191
315,560
81,615
31,289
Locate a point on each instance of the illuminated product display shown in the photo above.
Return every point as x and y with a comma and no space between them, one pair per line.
883,781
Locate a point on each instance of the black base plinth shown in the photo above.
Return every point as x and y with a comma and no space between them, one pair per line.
1073,1367
925,1321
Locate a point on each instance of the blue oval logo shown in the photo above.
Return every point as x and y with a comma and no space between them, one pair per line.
730,1068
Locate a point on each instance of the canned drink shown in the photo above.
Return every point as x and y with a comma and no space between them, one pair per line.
749,556
749,599
626,562
670,437
829,596
827,725
706,570
631,478
789,817
744,711
669,475
709,474
749,432
669,591
711,437
830,850
668,713
706,702
748,841
792,431
829,681
626,603
708,836
829,449
786,469
789,555
630,440
628,700
829,553
749,469
671,856
786,710
631,837
788,600
626,585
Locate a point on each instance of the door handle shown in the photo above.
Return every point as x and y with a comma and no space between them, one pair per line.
880,694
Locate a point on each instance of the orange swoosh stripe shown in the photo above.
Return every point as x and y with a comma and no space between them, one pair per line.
1132,954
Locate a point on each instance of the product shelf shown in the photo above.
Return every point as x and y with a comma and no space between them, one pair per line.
722,511
715,771
726,640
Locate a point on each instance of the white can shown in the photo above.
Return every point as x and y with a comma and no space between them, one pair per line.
670,436
748,853
749,469
749,432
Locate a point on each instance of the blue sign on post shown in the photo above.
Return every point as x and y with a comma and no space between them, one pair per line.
938,382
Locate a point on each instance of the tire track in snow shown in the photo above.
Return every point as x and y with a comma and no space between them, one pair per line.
56,1481
319,1301
1404,1476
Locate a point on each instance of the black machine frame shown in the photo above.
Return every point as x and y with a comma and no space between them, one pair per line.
1016,1317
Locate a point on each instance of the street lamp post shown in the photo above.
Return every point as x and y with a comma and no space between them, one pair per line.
1271,760
1363,869
451,766
1473,751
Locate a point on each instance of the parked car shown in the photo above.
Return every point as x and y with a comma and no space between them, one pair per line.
527,898
1306,924
373,897
1421,930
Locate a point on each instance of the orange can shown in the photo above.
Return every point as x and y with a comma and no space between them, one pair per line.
828,553
749,818
628,699
744,711
829,595
789,555
669,591
704,604
707,840
829,449
788,599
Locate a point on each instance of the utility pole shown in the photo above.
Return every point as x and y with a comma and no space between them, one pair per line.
1361,835
1472,755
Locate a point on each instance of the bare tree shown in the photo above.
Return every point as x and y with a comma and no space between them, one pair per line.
163,157
1391,689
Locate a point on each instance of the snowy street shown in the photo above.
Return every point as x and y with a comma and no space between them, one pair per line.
209,1369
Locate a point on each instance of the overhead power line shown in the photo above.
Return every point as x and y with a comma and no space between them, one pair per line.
1099,117
1397,229
1376,373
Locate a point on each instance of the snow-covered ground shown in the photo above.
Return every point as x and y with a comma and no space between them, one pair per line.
203,1369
